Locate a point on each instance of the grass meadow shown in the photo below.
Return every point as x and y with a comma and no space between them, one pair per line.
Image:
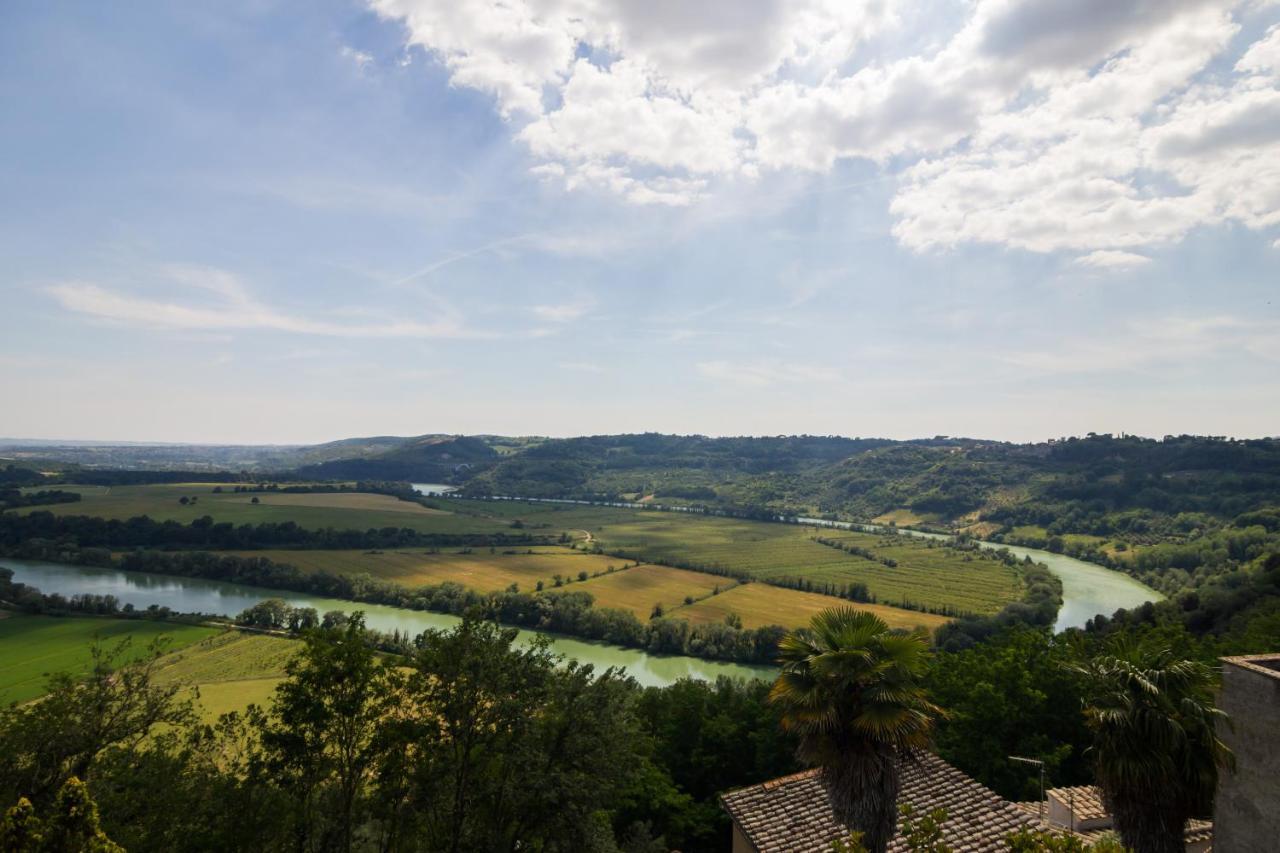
639,588
339,510
479,568
759,604
230,671
34,647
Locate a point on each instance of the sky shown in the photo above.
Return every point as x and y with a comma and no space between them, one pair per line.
285,222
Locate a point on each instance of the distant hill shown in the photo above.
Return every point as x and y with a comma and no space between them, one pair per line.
433,458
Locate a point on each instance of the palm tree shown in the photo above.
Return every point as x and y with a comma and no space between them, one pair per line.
1156,752
849,687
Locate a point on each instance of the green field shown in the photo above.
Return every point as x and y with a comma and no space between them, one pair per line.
230,671
34,647
339,510
638,589
927,573
760,604
480,569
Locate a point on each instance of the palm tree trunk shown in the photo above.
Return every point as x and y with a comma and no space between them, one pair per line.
1147,824
863,791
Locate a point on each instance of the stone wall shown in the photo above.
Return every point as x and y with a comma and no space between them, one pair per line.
1247,811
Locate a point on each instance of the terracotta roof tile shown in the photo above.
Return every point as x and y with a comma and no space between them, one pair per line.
1086,801
791,814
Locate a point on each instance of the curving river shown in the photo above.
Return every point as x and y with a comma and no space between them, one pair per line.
196,595
1087,588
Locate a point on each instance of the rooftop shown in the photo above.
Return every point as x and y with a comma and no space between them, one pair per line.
1268,664
1085,801
792,814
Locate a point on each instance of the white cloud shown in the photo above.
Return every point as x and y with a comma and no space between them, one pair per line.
758,374
235,309
581,367
359,57
1045,125
1110,259
562,313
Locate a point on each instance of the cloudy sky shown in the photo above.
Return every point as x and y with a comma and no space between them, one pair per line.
258,221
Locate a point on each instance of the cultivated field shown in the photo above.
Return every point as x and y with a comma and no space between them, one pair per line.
34,647
760,604
339,510
638,589
230,670
927,573
481,568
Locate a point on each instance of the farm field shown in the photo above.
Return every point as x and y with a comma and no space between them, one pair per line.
231,670
479,569
339,510
759,604
34,647
638,589
926,574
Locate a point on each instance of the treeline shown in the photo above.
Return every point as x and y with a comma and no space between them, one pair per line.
1174,562
204,532
473,740
18,475
30,599
14,498
856,550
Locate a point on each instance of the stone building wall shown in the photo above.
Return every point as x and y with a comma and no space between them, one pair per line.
1247,811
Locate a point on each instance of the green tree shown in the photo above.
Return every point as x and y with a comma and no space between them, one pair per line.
45,743
322,741
850,690
1156,752
21,831
506,750
73,825
1006,696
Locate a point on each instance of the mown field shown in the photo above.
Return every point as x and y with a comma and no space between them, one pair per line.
339,510
759,604
34,647
479,568
927,574
639,588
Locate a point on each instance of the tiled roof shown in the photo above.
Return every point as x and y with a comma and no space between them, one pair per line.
792,813
1085,801
1196,831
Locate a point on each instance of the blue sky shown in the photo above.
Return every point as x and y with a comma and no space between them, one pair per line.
292,222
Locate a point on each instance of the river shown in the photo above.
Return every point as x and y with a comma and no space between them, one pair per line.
195,595
1087,588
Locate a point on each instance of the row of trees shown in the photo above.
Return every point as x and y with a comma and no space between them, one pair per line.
204,532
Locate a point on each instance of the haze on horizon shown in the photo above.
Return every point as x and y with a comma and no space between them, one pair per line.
272,222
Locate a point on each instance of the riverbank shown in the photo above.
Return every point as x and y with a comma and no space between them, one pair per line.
142,590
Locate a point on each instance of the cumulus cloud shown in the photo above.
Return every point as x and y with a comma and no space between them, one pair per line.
1110,259
1084,126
